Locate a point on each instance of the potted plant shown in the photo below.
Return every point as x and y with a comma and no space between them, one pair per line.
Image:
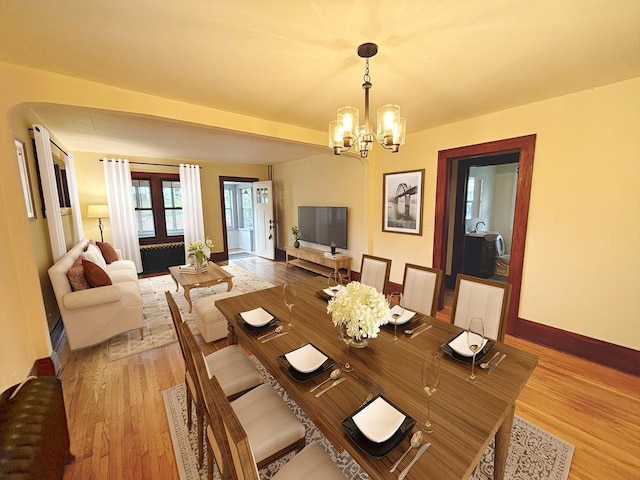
333,248
295,231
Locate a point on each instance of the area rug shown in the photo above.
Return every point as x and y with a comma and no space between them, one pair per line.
157,323
534,454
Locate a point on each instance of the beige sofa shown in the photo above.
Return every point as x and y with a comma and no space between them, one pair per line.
94,315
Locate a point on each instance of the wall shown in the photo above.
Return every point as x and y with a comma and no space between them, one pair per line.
582,264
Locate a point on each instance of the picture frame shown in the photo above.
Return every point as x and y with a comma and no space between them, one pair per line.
23,166
402,202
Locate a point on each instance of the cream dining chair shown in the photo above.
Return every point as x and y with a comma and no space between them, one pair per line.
374,271
479,297
236,372
421,288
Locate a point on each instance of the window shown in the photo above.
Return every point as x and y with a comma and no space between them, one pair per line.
157,199
247,207
229,210
474,198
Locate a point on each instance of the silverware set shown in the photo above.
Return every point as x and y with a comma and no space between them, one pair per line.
334,384
495,365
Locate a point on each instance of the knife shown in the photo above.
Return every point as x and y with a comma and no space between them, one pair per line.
415,334
337,382
272,337
415,459
493,367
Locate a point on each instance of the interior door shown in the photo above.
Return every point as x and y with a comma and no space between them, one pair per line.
264,219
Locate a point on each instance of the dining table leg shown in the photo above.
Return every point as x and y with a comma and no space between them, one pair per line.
503,437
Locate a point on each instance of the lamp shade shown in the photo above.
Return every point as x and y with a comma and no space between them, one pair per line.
98,211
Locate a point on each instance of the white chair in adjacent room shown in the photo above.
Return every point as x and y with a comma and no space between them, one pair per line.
374,271
421,288
478,297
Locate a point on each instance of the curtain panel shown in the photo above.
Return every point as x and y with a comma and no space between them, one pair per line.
191,205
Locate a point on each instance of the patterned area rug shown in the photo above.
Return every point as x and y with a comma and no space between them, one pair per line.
534,454
157,323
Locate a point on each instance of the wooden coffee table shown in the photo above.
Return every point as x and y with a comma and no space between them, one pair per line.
213,276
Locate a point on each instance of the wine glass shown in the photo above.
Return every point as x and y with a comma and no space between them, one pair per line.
397,304
430,381
475,338
335,282
289,297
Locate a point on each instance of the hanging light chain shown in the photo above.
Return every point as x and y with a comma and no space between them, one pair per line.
366,78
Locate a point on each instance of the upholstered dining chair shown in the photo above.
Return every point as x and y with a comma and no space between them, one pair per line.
271,427
236,372
374,271
312,463
421,288
479,297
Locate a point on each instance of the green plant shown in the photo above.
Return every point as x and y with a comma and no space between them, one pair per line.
295,231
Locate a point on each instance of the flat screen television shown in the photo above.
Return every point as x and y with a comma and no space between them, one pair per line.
323,225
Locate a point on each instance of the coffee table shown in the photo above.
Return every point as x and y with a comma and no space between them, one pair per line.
213,276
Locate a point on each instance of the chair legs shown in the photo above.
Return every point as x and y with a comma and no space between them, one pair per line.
189,405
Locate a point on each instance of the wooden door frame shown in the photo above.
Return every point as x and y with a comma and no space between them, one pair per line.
525,145
224,256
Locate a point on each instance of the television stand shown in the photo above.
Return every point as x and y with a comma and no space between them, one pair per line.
314,260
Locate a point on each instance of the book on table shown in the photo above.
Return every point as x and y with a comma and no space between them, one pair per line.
191,269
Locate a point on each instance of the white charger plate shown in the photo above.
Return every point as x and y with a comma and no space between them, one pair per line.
379,420
459,345
257,317
306,359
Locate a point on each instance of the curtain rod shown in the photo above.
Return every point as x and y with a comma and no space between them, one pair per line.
58,146
153,164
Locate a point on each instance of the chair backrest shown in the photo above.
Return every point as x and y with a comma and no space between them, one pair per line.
215,430
421,288
177,320
478,297
374,271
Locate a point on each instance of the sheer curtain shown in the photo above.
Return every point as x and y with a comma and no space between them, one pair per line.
124,232
191,204
50,191
76,216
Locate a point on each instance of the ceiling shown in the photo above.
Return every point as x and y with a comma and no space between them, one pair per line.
295,62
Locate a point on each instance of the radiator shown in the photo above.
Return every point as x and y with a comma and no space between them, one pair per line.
158,258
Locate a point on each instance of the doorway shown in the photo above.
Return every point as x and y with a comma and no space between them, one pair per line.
444,227
236,201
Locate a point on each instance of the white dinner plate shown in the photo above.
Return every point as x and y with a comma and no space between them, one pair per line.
333,291
257,317
459,345
404,318
306,359
379,420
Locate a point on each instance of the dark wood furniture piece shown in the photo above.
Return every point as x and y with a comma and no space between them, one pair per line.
479,255
466,416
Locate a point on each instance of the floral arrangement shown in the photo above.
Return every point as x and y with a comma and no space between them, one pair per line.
359,308
200,250
295,231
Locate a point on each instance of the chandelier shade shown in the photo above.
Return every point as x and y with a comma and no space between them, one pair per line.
346,130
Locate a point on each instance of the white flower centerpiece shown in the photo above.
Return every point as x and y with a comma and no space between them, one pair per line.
199,252
359,310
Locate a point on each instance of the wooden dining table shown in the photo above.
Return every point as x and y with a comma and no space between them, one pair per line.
466,417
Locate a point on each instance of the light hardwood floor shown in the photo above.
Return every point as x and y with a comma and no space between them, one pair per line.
119,429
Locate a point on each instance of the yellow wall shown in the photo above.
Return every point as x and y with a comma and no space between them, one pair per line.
582,266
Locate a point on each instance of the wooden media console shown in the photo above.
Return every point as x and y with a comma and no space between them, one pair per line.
315,261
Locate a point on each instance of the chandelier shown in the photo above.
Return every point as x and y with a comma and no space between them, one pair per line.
346,130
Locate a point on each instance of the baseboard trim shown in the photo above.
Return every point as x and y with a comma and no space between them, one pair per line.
616,356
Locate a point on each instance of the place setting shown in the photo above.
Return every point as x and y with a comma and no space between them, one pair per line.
307,362
335,285
257,320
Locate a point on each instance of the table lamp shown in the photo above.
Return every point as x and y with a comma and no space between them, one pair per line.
99,212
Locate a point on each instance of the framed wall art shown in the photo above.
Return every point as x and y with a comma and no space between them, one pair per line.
24,176
402,202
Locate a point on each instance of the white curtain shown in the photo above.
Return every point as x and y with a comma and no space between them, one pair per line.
76,214
124,231
191,204
50,192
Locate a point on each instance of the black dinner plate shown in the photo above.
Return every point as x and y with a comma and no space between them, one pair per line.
324,295
411,321
377,450
447,350
250,328
303,377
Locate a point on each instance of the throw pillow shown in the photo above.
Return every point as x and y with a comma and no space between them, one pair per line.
76,276
108,252
95,275
93,254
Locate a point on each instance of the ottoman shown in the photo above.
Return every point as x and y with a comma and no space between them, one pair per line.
212,325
